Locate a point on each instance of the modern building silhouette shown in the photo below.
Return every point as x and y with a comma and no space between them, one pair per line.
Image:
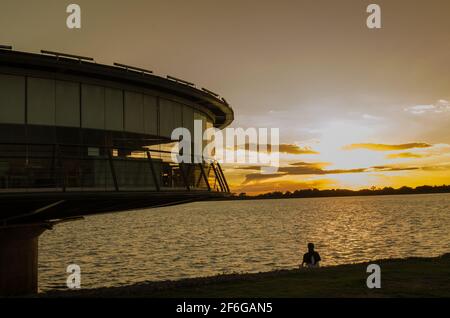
77,138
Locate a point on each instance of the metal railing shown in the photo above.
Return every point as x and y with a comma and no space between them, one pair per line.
79,168
69,56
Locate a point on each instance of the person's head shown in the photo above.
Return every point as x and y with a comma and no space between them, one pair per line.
311,247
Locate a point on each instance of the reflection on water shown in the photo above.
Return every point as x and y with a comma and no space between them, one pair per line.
207,238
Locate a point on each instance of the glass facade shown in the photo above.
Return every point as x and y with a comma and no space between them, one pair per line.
56,103
56,168
60,135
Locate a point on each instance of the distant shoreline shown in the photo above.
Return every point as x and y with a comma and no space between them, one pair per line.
332,193
409,277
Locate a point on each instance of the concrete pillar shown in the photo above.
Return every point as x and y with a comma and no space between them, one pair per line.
19,258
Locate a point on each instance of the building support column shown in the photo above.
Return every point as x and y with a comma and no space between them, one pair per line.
19,258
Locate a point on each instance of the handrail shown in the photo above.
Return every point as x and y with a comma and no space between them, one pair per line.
210,92
142,149
133,68
55,163
180,81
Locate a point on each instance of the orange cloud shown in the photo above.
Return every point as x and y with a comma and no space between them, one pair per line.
402,155
386,147
296,150
391,168
442,167
316,169
284,148
300,168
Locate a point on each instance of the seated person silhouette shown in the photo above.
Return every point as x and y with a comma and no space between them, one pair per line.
312,258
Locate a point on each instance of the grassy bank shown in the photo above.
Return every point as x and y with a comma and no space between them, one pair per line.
412,277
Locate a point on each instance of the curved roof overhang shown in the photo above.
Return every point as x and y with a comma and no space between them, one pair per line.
65,65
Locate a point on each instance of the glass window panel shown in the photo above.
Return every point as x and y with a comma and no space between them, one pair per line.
93,106
188,119
177,115
171,117
12,99
134,112
150,115
41,101
114,109
166,118
67,104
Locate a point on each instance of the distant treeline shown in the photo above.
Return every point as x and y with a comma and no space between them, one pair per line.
315,193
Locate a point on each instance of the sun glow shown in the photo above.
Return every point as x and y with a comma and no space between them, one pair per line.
336,136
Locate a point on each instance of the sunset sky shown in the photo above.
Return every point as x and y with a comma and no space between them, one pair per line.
356,107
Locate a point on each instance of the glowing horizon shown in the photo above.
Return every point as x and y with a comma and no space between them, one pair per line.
372,106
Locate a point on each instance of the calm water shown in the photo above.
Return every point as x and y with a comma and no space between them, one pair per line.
207,238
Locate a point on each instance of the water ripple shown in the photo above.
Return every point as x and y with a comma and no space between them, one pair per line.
207,238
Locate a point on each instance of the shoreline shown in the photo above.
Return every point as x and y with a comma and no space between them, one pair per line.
262,197
405,277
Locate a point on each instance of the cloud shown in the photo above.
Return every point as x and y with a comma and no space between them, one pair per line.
310,164
438,167
257,177
436,150
440,106
403,155
296,150
391,168
371,117
297,169
316,169
386,147
292,149
442,167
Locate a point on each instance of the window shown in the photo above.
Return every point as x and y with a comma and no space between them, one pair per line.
170,117
134,112
165,118
177,115
41,101
114,109
188,119
12,99
67,104
93,106
150,115
93,152
199,116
